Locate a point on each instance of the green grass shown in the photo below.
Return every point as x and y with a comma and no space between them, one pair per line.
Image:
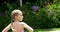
46,30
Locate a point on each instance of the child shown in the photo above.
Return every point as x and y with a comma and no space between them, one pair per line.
17,26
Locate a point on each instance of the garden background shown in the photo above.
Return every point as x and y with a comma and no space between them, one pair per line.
47,16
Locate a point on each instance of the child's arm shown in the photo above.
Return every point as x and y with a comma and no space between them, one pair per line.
7,28
28,27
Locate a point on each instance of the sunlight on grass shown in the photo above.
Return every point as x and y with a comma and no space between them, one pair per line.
48,30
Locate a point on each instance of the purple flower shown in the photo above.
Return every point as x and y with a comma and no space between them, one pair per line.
0,14
35,7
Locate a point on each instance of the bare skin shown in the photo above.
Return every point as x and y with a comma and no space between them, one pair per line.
17,26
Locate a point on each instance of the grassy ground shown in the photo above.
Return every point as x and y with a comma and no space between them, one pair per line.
46,30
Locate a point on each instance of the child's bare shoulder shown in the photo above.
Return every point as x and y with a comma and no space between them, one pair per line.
23,23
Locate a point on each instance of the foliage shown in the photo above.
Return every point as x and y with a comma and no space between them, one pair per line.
46,17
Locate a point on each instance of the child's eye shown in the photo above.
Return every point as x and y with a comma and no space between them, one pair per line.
20,14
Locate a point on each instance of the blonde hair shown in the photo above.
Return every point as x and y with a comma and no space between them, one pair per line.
15,13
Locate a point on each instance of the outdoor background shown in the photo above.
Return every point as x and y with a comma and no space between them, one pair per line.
46,14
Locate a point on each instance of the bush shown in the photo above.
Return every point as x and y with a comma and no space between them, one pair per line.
45,17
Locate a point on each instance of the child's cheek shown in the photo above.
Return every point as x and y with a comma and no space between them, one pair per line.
22,17
19,17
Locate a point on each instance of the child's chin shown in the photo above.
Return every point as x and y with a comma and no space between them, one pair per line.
20,20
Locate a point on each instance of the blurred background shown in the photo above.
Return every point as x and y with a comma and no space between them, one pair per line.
39,14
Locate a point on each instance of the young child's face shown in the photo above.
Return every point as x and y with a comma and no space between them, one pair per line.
19,17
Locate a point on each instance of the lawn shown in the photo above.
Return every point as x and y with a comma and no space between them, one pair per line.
46,30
